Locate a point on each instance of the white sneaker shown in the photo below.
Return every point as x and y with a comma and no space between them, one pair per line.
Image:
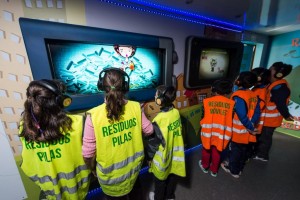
151,195
260,158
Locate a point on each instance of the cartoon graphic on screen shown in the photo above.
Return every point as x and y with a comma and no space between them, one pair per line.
126,52
213,63
78,64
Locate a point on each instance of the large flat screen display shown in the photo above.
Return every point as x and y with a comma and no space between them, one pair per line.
76,54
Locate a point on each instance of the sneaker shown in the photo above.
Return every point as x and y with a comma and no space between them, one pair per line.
151,195
203,169
225,167
213,174
227,170
235,175
260,158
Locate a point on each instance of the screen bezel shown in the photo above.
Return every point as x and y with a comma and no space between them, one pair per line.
194,47
35,32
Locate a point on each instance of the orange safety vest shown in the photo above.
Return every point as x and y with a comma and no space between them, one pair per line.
239,131
216,125
261,93
273,117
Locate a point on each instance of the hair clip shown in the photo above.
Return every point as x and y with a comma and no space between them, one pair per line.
112,87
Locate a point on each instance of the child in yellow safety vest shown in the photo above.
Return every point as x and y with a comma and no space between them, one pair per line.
216,125
52,141
112,143
169,160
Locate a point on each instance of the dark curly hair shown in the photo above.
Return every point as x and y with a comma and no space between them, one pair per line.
263,75
43,118
167,94
246,79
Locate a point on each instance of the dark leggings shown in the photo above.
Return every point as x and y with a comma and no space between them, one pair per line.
165,189
264,142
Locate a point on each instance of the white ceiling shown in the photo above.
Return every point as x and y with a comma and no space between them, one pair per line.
247,13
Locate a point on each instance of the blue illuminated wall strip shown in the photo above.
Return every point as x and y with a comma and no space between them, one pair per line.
144,6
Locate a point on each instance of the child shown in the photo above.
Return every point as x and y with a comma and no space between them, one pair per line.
52,141
216,125
260,89
169,161
112,143
246,115
278,94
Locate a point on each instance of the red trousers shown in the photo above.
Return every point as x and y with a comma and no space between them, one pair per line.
211,159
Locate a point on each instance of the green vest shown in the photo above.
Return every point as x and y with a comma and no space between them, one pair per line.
119,148
58,166
169,160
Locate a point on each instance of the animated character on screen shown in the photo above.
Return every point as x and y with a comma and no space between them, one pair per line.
126,52
213,64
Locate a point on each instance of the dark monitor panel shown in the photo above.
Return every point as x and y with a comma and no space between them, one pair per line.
208,60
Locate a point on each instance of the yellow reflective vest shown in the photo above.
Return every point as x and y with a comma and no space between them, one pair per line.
169,159
58,167
216,125
119,148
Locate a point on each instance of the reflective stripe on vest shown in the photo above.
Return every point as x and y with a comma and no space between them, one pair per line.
217,134
120,179
240,132
273,117
216,125
59,173
261,93
120,150
170,159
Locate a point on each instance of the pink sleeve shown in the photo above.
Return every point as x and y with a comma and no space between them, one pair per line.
147,126
89,140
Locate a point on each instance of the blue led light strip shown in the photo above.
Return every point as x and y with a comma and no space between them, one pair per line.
142,171
168,15
182,12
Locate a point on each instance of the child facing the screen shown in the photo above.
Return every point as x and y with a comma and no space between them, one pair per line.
112,143
52,141
260,89
246,115
278,95
216,125
169,160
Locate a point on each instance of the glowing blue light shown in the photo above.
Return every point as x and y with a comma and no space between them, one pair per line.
182,18
182,12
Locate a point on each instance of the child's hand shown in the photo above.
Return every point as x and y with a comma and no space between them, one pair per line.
290,118
254,132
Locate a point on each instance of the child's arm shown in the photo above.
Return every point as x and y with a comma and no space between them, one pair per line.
89,145
241,111
279,95
257,112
